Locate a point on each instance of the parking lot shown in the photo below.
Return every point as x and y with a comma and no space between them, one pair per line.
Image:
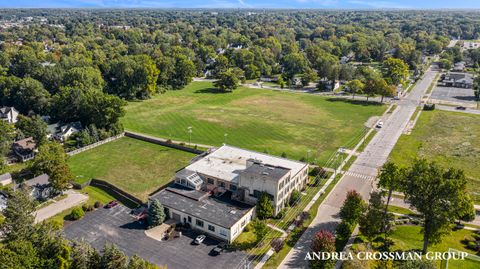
117,226
454,95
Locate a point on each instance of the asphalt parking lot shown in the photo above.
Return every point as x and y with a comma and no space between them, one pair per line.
451,94
117,226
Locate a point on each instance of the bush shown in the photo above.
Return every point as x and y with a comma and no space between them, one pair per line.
319,171
281,214
294,198
429,107
77,213
87,208
97,204
249,227
472,245
344,230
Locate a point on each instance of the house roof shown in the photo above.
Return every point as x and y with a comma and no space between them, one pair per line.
6,110
220,211
24,146
227,162
269,172
40,181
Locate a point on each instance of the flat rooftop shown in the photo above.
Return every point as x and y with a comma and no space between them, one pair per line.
221,210
227,162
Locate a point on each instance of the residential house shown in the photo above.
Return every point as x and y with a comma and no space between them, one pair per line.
62,132
5,179
459,67
25,149
8,114
41,188
457,80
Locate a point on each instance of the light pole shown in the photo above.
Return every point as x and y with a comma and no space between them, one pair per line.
225,138
190,135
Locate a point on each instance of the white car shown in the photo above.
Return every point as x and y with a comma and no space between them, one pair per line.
380,124
199,239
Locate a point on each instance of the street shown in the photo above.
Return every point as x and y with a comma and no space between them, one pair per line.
360,176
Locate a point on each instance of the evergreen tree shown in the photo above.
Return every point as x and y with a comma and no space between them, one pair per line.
156,213
264,206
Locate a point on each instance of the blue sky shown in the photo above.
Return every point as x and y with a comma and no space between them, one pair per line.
354,4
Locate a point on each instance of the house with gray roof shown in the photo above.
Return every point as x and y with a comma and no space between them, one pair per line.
62,132
40,187
457,80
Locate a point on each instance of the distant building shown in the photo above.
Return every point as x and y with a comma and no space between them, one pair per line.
62,132
459,67
25,149
8,114
5,179
41,188
457,80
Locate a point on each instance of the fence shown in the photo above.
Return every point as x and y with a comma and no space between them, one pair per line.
96,144
162,142
121,195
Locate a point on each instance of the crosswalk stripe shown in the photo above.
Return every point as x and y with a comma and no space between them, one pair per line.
361,176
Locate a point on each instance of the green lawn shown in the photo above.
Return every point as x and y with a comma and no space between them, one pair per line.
136,167
449,138
261,120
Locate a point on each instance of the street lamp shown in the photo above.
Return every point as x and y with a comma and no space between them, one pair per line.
225,138
190,135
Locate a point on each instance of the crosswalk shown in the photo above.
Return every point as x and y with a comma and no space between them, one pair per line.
361,176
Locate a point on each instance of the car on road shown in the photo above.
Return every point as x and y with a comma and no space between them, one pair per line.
396,98
379,124
199,239
112,204
461,108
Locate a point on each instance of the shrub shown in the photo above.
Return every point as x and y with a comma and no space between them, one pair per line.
97,204
472,245
249,227
87,208
77,213
294,198
428,107
344,230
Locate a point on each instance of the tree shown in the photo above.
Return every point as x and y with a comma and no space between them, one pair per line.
77,213
7,135
19,217
476,87
52,160
352,207
138,263
445,64
113,258
84,78
395,71
252,71
260,229
415,264
374,221
294,63
156,213
26,95
34,127
390,180
323,241
294,198
355,87
309,76
264,206
83,256
439,195
381,87
184,72
227,81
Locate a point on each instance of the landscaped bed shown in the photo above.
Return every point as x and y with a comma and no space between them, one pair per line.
256,119
449,138
134,166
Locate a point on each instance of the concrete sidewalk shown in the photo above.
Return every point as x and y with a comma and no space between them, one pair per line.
73,199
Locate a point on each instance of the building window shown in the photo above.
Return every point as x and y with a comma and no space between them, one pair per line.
189,219
211,228
210,181
257,194
233,187
223,232
222,184
199,223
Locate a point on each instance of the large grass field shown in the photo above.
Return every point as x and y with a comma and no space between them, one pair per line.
134,166
261,120
449,138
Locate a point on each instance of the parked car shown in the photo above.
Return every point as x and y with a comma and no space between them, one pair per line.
112,204
396,98
219,249
199,239
461,108
380,124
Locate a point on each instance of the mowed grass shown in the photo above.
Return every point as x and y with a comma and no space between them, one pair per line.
450,139
134,166
262,120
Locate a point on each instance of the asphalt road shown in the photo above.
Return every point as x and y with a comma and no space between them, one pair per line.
73,199
361,175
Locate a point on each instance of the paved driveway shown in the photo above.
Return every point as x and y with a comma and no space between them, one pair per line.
73,199
117,226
